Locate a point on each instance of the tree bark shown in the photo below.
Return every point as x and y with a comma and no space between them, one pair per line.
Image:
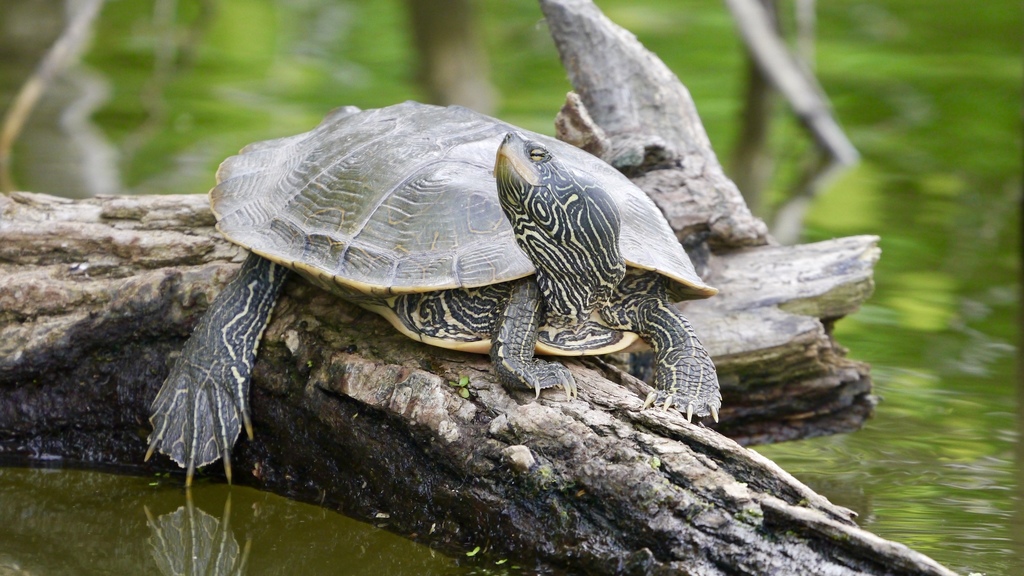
97,294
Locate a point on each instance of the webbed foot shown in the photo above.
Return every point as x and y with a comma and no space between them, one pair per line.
686,380
544,374
203,403
195,420
684,375
513,340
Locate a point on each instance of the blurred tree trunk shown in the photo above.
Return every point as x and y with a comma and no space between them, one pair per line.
63,113
452,64
758,24
752,162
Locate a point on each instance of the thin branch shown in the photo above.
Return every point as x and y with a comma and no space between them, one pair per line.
792,77
68,45
799,87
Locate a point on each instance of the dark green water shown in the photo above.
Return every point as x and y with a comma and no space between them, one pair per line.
76,522
928,90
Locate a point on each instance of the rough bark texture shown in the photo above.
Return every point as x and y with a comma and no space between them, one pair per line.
97,294
651,125
769,331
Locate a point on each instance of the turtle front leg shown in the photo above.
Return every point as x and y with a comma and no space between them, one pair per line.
512,343
203,403
684,374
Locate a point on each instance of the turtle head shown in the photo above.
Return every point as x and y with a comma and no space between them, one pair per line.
533,183
522,163
564,221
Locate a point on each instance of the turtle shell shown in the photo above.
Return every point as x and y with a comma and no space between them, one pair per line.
403,199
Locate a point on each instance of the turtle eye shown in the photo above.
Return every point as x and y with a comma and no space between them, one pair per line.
538,154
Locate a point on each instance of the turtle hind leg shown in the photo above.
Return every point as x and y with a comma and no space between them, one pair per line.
203,404
513,340
684,375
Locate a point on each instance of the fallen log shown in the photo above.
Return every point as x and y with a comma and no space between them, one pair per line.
95,295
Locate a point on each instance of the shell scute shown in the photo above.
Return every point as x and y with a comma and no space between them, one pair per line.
403,199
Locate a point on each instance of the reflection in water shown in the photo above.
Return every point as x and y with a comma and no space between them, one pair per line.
1017,522
78,522
190,541
60,149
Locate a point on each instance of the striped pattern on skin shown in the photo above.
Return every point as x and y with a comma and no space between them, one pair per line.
463,315
203,403
513,341
469,315
569,228
565,223
684,375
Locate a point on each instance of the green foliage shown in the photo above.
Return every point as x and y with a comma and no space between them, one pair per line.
462,386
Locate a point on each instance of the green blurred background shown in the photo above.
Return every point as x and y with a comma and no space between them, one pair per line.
929,91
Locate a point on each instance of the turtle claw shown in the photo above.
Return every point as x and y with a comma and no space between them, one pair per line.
688,406
552,375
569,385
544,375
150,452
227,469
537,375
247,424
649,401
689,383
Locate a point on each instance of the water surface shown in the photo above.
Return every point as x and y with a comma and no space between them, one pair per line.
82,522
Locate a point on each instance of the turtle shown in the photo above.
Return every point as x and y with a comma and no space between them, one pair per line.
461,230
